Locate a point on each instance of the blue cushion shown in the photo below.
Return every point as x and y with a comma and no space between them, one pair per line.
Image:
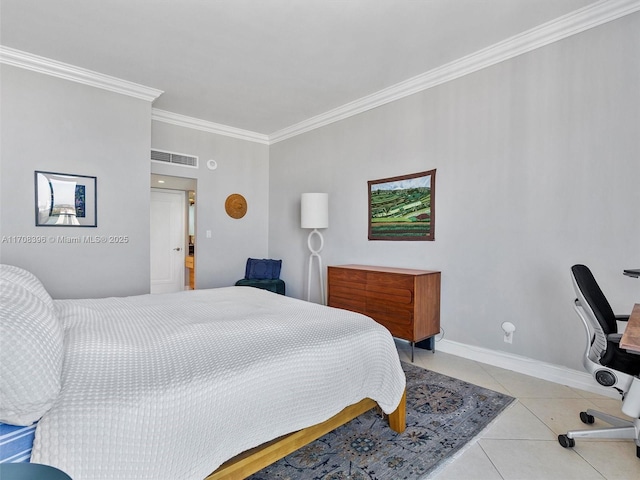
276,285
262,269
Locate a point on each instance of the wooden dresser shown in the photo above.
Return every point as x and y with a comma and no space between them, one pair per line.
406,301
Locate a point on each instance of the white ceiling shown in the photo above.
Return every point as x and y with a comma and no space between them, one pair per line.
264,65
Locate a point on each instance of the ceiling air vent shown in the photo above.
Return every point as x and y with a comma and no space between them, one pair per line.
173,158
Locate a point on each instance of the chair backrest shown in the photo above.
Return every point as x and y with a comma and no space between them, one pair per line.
596,338
589,291
262,269
610,366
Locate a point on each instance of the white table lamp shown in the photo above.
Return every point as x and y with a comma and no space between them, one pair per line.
314,214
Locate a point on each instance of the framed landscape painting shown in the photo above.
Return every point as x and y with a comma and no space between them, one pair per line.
403,208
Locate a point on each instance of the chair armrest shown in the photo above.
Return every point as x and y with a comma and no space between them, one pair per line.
622,321
614,337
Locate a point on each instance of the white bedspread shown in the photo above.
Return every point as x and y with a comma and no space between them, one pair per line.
171,386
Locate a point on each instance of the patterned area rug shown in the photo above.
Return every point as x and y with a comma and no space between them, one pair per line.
443,414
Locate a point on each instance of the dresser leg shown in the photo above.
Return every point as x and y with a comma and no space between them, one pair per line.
413,344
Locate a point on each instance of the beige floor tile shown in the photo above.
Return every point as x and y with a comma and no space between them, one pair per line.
518,423
537,460
591,395
614,460
521,444
473,463
459,367
520,385
453,366
475,376
610,406
495,370
559,414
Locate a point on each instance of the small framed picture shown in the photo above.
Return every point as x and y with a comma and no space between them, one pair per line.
65,200
403,208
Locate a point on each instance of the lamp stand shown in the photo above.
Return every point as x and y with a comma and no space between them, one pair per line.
315,254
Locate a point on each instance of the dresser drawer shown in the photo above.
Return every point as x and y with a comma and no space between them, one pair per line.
380,293
337,274
391,280
405,301
347,290
354,304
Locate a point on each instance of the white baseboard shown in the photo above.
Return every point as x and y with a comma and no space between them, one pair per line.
528,366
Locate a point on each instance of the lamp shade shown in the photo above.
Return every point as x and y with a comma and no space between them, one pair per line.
314,210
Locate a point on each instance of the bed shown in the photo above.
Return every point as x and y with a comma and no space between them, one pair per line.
178,386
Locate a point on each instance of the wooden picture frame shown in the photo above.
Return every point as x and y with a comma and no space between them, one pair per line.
65,200
403,208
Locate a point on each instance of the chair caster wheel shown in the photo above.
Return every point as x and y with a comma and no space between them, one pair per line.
586,418
566,442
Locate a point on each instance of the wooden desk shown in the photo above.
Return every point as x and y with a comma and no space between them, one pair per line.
631,338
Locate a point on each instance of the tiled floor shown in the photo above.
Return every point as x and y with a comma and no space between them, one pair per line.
522,442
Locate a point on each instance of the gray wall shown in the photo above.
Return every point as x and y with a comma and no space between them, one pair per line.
56,125
243,167
538,164
537,169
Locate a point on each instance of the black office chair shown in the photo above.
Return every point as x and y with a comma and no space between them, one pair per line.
610,365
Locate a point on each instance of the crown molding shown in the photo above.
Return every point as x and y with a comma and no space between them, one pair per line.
204,125
17,58
562,27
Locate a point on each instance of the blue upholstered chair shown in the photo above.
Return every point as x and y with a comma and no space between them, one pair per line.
263,273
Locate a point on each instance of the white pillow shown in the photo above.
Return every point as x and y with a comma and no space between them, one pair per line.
27,280
31,355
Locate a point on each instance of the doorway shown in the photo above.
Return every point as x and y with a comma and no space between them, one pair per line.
172,238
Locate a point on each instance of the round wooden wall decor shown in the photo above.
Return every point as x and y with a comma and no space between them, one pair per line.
235,205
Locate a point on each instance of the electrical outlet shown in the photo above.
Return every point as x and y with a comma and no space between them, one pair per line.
508,328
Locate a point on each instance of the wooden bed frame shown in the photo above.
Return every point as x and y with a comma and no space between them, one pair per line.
254,460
